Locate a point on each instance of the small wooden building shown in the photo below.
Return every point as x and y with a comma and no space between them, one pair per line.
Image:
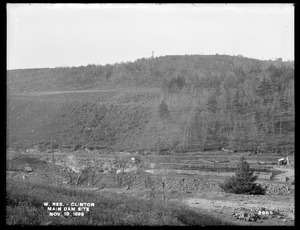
283,161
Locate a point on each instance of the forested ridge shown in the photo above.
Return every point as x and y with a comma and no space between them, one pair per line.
183,102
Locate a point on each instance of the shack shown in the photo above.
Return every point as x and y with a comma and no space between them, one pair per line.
283,161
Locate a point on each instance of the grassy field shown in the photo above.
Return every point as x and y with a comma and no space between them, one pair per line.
24,206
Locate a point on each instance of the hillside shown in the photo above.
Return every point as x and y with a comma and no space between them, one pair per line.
177,102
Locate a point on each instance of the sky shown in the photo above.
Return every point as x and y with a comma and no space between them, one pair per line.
57,35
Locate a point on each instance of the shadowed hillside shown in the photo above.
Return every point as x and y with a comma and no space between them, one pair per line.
177,102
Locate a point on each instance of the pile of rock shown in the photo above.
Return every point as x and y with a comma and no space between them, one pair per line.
260,213
247,216
176,183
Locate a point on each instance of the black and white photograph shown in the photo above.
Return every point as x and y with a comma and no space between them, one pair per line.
147,114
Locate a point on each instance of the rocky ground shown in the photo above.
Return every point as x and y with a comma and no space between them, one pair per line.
224,206
197,192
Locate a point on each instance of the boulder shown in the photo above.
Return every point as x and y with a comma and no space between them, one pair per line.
28,169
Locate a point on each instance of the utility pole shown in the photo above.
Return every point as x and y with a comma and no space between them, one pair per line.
151,64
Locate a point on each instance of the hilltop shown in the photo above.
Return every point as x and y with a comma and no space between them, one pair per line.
171,102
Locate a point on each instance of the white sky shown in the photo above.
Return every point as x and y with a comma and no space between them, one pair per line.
53,35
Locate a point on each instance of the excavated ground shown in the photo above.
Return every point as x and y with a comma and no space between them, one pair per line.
195,190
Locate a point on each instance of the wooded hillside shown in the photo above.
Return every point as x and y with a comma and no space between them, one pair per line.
180,102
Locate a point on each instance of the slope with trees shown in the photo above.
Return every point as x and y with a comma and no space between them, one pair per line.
212,101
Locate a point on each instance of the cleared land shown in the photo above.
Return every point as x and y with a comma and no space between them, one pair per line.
195,189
